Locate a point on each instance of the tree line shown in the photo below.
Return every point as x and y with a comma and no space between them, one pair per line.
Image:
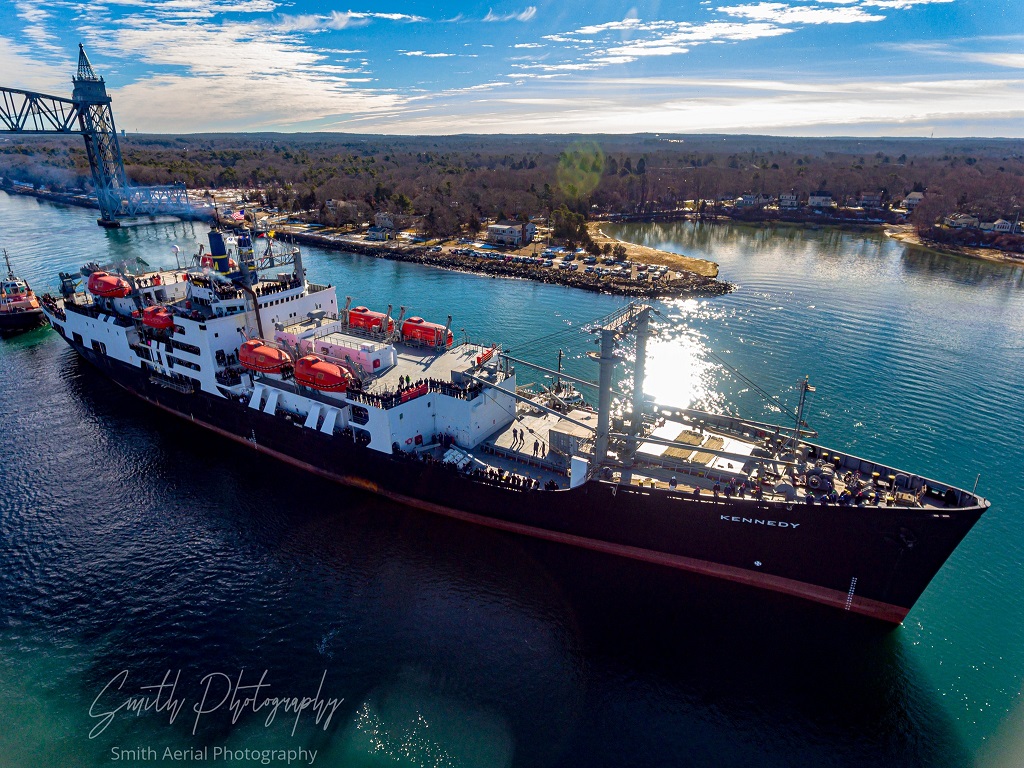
456,182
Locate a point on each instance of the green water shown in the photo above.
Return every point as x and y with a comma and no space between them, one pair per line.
129,542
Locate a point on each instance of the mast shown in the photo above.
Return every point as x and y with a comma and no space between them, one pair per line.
805,387
632,318
10,270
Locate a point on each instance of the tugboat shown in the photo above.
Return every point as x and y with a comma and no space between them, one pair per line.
19,308
245,346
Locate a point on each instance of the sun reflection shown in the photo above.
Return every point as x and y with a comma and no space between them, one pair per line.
679,371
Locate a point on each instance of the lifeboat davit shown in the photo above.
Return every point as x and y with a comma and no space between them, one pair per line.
418,329
257,355
315,372
159,318
207,262
108,286
368,320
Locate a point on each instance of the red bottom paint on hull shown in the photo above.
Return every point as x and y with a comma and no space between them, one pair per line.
875,609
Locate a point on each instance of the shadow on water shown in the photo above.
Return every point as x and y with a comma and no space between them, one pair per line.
964,269
455,642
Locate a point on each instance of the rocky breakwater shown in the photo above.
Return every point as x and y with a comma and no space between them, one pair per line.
676,283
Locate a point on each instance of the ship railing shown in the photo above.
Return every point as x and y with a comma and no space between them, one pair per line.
91,310
392,399
317,287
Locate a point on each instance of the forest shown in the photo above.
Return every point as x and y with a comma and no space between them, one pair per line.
455,182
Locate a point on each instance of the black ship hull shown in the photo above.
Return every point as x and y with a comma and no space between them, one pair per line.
15,322
867,560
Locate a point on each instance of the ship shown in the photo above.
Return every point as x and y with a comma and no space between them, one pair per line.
239,342
20,310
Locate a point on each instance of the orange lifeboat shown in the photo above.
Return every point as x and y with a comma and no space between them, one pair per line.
256,355
108,286
159,318
368,320
418,329
315,372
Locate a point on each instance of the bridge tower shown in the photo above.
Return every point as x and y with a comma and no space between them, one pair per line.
97,123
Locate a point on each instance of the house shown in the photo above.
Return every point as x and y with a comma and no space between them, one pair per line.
789,200
820,199
750,201
384,220
516,233
961,221
1001,225
911,201
380,233
870,200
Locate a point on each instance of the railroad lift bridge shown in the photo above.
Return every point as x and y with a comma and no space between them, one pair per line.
88,113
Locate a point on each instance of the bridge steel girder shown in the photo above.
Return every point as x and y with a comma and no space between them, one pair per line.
88,113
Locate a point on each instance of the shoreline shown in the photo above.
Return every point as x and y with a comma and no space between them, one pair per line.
687,284
905,233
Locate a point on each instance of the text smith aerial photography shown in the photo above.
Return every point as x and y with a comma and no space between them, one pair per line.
500,386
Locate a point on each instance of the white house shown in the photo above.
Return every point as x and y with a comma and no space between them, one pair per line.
749,200
820,199
911,201
961,221
789,200
515,233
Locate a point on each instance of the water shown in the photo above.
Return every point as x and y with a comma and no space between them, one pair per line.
130,542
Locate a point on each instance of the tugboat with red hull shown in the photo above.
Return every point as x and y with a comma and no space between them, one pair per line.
19,307
396,407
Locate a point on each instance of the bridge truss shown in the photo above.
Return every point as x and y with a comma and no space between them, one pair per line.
89,114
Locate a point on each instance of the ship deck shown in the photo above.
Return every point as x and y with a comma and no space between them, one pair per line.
416,363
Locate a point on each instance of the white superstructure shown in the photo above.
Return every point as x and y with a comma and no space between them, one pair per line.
184,329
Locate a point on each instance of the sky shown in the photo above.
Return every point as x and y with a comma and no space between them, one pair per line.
782,67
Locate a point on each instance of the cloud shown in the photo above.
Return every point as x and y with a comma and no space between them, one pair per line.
652,38
528,45
26,71
337,20
1011,60
35,29
524,15
594,29
426,55
901,4
247,76
781,13
679,105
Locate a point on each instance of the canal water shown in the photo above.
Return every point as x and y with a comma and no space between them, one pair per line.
134,549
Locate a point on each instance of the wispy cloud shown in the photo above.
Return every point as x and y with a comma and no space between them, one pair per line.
901,4
781,13
36,28
675,105
426,55
26,70
524,15
262,76
337,20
